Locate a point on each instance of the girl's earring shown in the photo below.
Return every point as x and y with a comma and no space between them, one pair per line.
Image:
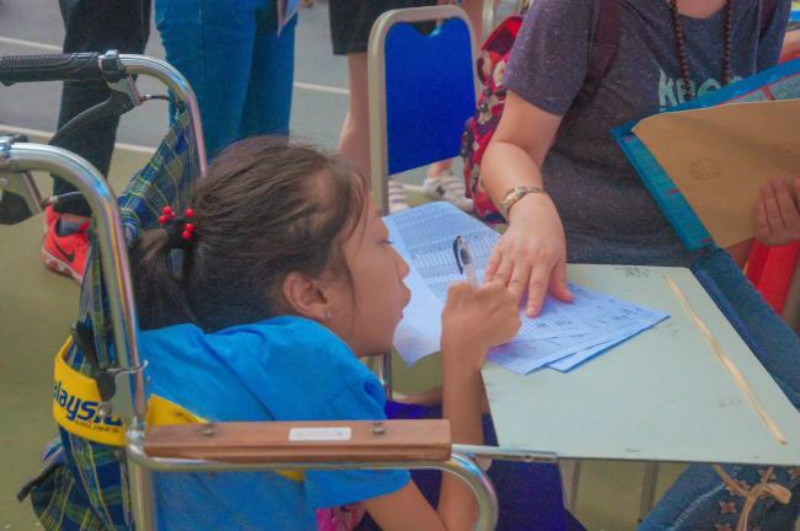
328,315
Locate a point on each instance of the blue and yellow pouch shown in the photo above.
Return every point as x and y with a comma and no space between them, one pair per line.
76,409
76,406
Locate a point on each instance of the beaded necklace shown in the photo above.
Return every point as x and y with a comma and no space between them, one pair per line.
680,46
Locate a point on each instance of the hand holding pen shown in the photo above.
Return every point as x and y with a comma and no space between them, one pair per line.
466,266
485,315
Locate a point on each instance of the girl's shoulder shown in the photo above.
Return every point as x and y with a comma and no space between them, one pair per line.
288,364
291,344
288,331
264,341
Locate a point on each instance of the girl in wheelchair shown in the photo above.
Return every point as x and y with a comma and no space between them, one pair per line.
288,279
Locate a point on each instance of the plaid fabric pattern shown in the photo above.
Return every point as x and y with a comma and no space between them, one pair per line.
83,485
59,504
166,180
80,488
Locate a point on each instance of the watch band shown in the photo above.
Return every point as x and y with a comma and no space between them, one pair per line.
514,195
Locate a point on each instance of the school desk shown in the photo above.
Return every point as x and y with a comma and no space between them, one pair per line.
660,396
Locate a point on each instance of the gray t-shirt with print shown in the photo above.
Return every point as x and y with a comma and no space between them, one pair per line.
608,215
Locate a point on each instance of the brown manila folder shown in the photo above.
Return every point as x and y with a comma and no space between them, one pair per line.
719,157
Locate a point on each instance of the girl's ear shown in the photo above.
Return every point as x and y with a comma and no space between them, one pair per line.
305,297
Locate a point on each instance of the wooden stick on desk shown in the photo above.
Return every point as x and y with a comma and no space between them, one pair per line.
728,363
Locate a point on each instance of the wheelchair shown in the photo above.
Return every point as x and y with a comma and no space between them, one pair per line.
116,430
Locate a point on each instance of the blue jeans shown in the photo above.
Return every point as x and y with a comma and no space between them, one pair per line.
700,501
239,67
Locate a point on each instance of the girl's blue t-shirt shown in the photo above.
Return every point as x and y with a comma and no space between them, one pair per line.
282,369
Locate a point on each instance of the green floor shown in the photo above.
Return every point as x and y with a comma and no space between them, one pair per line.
35,310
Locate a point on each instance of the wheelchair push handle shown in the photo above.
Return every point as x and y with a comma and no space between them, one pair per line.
51,67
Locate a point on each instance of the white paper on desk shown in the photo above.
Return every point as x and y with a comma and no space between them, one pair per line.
562,354
610,321
621,324
424,237
573,361
570,362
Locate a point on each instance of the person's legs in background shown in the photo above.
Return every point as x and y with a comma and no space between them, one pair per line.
91,26
267,107
354,138
441,184
211,43
699,499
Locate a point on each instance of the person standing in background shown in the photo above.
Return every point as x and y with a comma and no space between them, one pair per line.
91,26
238,57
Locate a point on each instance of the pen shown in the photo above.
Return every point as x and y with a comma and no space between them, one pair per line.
464,260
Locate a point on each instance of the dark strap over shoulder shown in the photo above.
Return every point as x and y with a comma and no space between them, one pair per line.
768,8
606,42
604,47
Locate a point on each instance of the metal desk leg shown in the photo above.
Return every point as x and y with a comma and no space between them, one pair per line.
648,489
570,477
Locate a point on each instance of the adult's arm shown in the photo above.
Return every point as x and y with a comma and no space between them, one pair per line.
531,256
547,68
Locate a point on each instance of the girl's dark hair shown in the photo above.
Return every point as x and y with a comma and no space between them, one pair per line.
265,209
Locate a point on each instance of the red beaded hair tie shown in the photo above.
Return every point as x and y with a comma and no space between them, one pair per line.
180,231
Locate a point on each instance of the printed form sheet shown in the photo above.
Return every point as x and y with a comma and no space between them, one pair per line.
562,336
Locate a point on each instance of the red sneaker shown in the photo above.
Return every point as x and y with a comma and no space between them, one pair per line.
50,215
65,254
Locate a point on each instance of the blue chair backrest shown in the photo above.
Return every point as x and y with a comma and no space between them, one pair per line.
430,93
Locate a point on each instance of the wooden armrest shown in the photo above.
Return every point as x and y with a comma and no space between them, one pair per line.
281,442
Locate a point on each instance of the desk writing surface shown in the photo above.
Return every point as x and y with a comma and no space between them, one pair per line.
660,396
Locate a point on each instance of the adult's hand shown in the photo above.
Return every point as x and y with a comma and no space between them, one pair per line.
531,257
778,212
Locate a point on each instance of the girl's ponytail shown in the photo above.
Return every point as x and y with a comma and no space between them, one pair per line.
160,294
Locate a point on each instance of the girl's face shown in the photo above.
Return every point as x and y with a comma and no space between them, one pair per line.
366,312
